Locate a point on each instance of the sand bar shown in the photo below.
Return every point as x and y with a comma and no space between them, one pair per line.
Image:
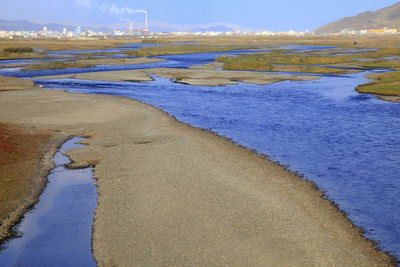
174,195
120,61
11,83
391,98
208,77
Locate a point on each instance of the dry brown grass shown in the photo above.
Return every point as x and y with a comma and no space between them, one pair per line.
347,41
59,65
88,44
181,49
20,153
62,44
283,61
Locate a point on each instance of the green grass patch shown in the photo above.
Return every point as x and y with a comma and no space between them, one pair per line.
387,83
174,50
380,89
380,64
58,65
18,52
150,41
310,69
386,77
379,53
280,61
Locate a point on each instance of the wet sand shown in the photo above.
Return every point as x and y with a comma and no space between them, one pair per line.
206,77
173,195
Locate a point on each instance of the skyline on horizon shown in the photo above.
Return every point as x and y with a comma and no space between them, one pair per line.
179,15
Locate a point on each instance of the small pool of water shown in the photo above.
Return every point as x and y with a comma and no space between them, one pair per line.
58,230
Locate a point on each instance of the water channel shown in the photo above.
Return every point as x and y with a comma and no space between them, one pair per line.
58,230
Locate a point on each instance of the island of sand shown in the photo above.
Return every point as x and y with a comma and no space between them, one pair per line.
174,195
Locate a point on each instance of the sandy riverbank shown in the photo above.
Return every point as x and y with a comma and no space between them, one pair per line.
11,83
206,77
390,98
173,195
25,154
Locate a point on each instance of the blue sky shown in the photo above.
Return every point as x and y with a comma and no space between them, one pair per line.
277,15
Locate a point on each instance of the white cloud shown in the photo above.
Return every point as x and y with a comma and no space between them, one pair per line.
111,9
85,3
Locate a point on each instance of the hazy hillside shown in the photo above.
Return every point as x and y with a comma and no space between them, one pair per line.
385,17
19,25
213,29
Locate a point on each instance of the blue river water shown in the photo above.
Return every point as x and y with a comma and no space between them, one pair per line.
58,230
347,143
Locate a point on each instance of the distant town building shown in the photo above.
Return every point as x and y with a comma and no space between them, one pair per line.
130,29
78,31
382,31
366,32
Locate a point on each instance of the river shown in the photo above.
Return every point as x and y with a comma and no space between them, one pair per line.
345,142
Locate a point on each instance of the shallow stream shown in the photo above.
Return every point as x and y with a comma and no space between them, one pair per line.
58,230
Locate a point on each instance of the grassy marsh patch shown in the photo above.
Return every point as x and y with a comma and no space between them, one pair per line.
181,49
18,52
381,64
280,61
387,83
379,53
58,65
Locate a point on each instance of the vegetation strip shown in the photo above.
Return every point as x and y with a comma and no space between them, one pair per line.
58,65
387,83
182,49
21,151
283,61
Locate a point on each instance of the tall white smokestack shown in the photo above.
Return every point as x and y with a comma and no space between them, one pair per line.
146,25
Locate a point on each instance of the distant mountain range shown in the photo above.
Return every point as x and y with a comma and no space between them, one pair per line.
213,29
20,25
386,17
